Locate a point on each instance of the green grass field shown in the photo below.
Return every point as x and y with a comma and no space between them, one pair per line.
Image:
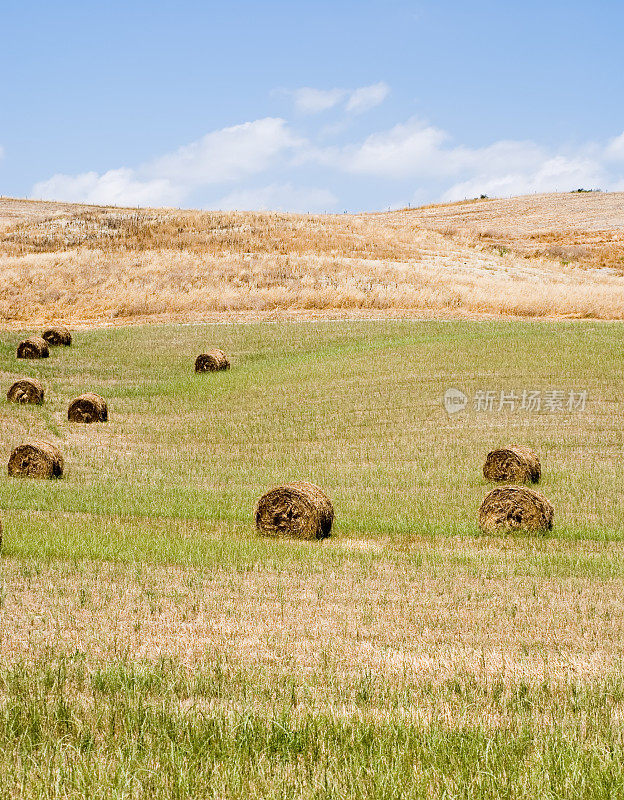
152,646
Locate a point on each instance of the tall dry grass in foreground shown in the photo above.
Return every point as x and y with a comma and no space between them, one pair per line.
98,264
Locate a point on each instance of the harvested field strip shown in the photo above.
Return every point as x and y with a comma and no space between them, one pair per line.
427,616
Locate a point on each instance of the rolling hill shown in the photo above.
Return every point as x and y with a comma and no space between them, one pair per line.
553,255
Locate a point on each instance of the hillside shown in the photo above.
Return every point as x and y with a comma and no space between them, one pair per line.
545,255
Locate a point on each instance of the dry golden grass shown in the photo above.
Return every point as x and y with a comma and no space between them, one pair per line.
528,257
583,227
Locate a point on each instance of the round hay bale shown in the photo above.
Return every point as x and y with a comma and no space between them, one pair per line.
57,336
211,361
88,407
507,509
299,510
513,464
26,390
34,347
36,459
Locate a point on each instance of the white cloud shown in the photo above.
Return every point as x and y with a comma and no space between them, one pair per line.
227,154
278,197
615,149
398,153
415,150
221,156
367,97
1,152
115,187
313,101
557,174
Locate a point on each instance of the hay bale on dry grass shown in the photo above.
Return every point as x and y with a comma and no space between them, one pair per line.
88,407
26,390
299,510
513,464
33,347
508,509
211,361
36,459
57,336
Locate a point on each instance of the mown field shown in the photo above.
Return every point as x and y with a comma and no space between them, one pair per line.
152,646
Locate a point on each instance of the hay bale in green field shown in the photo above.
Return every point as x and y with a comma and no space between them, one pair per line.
211,361
88,407
298,510
26,390
36,459
33,347
513,464
510,509
57,336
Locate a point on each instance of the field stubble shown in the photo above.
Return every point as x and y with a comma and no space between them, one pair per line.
153,646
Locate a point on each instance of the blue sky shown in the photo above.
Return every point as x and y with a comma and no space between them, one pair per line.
323,106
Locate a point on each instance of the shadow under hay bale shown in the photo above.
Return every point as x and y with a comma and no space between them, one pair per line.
508,509
513,464
57,336
36,459
34,347
212,361
26,390
299,510
88,407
